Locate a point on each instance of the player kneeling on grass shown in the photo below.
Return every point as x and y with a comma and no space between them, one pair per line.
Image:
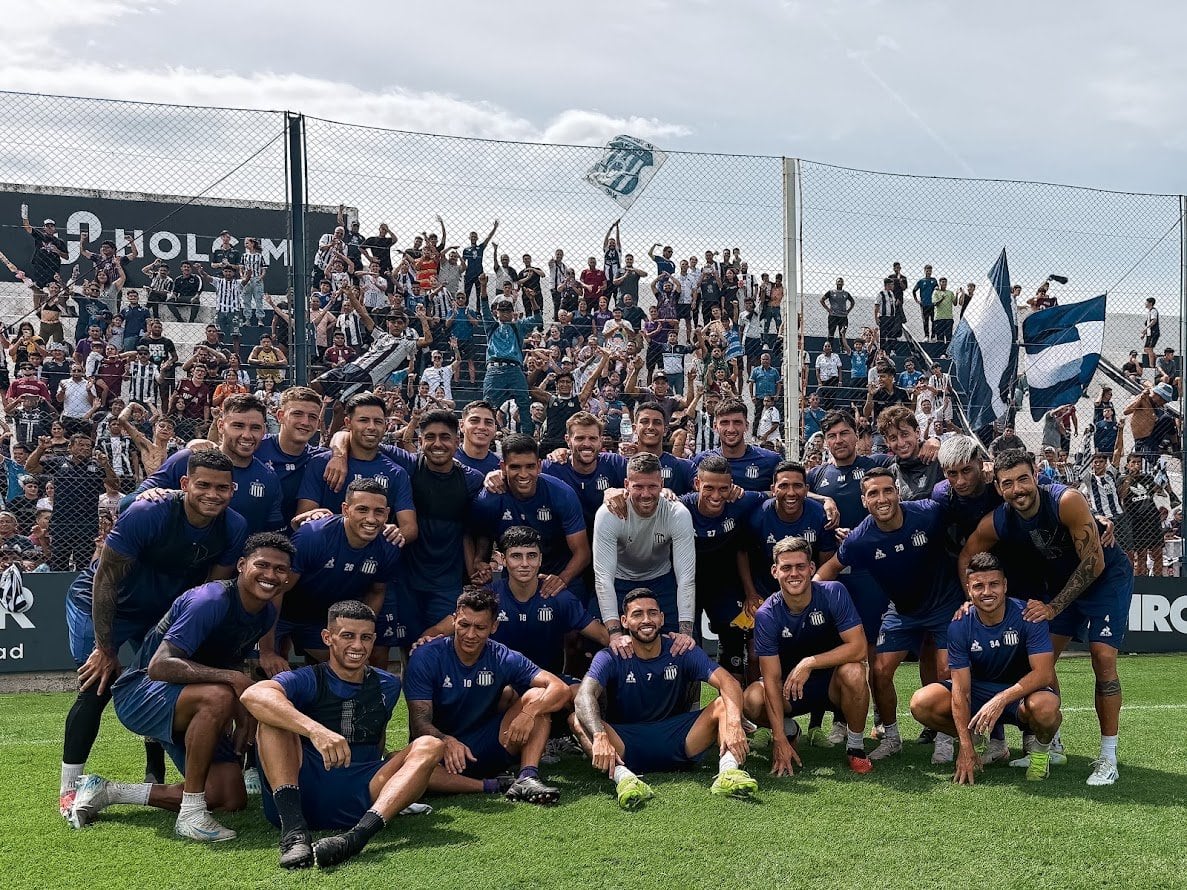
455,687
811,647
321,738
646,725
1003,669
184,689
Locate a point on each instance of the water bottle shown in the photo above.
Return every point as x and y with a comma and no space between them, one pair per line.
626,432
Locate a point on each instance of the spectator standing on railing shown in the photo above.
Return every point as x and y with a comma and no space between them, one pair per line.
254,266
1167,370
229,292
923,293
942,301
378,249
473,277
888,315
48,249
838,303
1154,428
186,290
328,246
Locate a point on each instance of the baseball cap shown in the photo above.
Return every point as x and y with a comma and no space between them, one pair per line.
504,304
48,222
1133,352
1164,392
658,374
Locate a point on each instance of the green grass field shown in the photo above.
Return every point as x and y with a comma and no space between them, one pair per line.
906,825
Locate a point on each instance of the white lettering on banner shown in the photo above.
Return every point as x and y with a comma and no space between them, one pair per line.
1155,613
191,249
275,250
16,653
137,239
23,621
156,248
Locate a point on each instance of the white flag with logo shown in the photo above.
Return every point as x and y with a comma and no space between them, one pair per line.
626,166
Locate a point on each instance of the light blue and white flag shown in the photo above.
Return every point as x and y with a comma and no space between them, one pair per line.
626,166
1062,348
985,352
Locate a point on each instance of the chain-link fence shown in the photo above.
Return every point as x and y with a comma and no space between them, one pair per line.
923,243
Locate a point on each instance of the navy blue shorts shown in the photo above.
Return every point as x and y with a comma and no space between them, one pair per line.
658,747
664,588
80,628
330,799
146,708
1101,613
304,636
420,609
869,599
815,697
983,692
491,758
906,633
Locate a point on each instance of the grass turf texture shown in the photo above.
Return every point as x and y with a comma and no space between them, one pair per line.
906,825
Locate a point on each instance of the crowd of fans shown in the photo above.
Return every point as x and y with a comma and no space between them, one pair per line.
104,384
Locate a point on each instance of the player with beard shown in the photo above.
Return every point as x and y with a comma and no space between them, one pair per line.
1069,577
916,477
750,466
901,544
811,651
184,690
646,725
1003,670
321,741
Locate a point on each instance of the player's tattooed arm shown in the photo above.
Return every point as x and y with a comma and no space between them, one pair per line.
171,664
587,706
1074,512
113,568
420,720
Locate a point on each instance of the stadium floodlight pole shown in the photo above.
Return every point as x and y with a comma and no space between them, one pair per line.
298,304
793,299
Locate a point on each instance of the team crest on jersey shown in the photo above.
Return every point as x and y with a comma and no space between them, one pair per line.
369,567
670,672
878,554
257,489
602,484
401,632
381,479
506,515
786,633
816,618
976,647
919,539
545,614
752,471
728,526
484,678
1010,637
544,514
665,472
502,617
660,539
329,563
858,474
448,683
809,535
630,677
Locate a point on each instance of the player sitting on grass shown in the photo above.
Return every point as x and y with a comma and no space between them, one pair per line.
646,725
321,739
184,691
811,647
455,689
1003,669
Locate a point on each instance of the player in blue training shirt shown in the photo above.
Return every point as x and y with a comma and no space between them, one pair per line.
257,496
365,419
1003,671
647,726
530,623
338,557
479,425
157,550
811,652
790,513
1071,580
718,526
455,685
651,429
184,688
750,466
443,492
540,502
288,452
902,546
322,739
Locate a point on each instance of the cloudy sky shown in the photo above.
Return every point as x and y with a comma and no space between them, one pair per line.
1089,93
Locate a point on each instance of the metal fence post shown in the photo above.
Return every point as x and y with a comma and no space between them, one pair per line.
295,126
1183,349
792,301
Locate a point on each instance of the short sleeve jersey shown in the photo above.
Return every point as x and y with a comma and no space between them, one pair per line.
998,653
647,690
794,636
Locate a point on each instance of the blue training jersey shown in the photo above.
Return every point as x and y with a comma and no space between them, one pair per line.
677,472
647,690
486,465
843,485
998,653
289,469
909,563
793,636
536,628
257,496
718,540
301,689
382,468
331,570
765,529
553,511
590,488
465,696
752,471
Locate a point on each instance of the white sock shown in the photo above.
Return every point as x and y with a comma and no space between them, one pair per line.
620,773
854,741
1041,746
192,804
892,730
1108,747
790,728
132,792
944,736
70,774
726,761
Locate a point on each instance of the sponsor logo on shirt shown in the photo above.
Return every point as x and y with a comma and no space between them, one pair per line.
257,489
670,672
545,614
976,647
786,633
329,563
878,554
369,567
919,539
1010,637
502,616
506,515
448,684
630,677
816,618
544,514
484,678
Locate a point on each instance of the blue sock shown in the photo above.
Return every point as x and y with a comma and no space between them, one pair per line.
490,786
530,772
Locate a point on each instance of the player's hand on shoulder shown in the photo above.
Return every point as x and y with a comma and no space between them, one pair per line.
614,500
273,663
427,638
495,482
962,610
335,474
832,516
333,748
622,645
155,494
558,455
393,535
482,574
841,533
551,585
681,642
1037,611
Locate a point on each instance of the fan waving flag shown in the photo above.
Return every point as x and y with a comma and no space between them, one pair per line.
984,351
1062,346
626,166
